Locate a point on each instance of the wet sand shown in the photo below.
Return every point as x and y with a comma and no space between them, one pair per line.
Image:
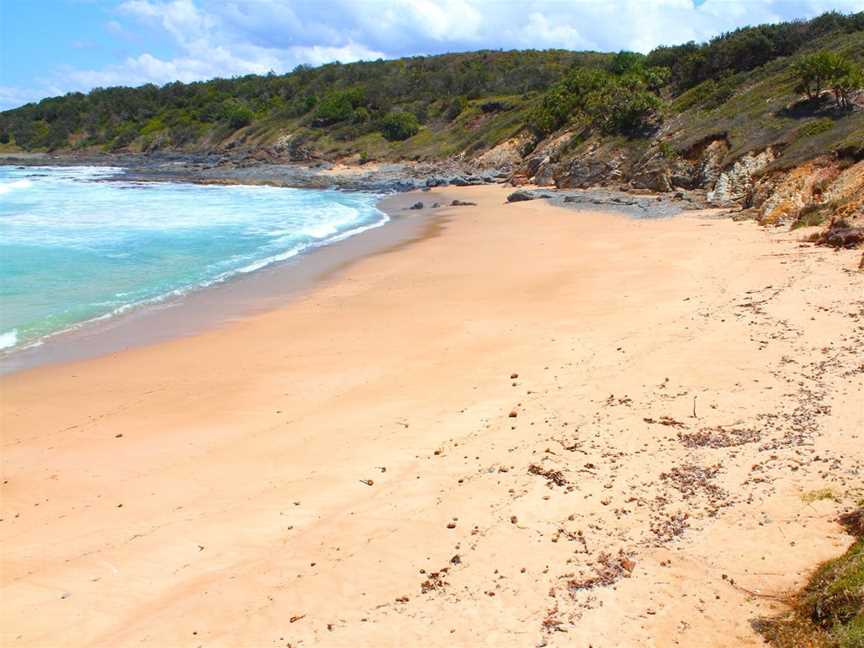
531,426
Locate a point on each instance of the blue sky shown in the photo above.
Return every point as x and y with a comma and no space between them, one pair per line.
49,47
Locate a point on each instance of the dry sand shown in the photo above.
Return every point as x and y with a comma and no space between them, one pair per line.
346,471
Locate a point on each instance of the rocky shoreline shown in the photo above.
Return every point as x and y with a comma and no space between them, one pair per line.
396,177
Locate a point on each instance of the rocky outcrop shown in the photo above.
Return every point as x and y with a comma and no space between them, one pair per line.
827,187
782,196
735,185
847,192
509,153
542,165
596,165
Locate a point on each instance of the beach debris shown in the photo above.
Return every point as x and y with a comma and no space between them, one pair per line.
434,581
451,525
607,570
368,482
717,437
296,618
670,526
554,476
513,414
664,420
514,376
551,623
690,480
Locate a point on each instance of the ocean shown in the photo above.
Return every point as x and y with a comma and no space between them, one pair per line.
76,246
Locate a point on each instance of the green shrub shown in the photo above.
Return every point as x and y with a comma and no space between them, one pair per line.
668,151
337,106
615,104
455,107
237,114
397,126
815,127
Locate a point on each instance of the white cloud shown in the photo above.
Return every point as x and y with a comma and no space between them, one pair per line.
232,37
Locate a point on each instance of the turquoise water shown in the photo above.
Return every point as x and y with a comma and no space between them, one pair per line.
75,247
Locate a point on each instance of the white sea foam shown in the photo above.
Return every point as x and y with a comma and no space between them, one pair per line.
89,250
8,339
6,187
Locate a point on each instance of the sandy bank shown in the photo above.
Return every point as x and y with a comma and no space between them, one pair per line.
345,470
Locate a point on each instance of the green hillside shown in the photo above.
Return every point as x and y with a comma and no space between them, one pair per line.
741,86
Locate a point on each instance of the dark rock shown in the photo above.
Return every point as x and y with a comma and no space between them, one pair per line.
584,173
654,176
840,235
436,205
521,196
462,203
417,205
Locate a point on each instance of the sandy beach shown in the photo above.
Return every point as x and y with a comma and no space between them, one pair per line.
529,426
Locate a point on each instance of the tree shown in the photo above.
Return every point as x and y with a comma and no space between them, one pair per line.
337,106
397,126
237,114
822,70
845,84
813,72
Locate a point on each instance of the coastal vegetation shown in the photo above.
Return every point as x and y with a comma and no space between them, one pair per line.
829,611
463,104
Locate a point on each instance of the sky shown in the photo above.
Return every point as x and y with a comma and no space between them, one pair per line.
50,47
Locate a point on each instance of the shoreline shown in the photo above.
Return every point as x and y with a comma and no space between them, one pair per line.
199,308
202,308
531,426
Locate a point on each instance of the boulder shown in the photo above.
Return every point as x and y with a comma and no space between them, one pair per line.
521,196
417,205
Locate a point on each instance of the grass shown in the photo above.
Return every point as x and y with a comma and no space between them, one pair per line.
819,495
829,611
